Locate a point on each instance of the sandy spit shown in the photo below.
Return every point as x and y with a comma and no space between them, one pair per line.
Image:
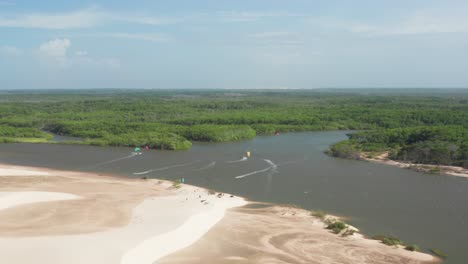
117,220
382,158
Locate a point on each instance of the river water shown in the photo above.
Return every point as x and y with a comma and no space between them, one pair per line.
424,209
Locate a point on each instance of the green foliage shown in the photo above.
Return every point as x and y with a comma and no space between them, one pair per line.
177,184
438,253
152,139
412,247
169,119
22,132
345,149
219,133
388,240
336,227
438,145
319,214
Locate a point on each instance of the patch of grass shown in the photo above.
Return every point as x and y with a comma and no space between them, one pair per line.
23,140
388,240
319,214
438,253
434,170
412,247
336,227
176,184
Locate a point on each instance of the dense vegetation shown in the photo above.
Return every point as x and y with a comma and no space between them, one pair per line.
172,119
439,145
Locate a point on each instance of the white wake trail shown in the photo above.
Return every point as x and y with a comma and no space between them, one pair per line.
235,161
272,164
164,168
272,167
212,164
115,160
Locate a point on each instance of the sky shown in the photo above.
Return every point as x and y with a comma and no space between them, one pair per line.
233,44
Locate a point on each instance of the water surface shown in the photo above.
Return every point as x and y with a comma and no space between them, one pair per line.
424,209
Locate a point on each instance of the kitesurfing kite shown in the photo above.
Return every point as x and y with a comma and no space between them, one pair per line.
136,151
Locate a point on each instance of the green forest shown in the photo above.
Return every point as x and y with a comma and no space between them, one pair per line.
438,145
422,125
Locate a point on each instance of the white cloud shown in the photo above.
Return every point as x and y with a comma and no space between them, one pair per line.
81,53
139,36
77,19
272,34
276,38
10,51
55,50
245,16
145,20
420,22
84,18
94,63
55,54
423,23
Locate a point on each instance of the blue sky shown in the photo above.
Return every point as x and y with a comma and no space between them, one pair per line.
233,44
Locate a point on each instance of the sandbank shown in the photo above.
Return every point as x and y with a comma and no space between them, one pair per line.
382,158
117,220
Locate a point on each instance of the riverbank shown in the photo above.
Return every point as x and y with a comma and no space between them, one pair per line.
383,158
94,218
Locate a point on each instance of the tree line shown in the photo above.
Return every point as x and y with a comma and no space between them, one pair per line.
172,119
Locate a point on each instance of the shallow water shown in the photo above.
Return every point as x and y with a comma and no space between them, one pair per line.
424,209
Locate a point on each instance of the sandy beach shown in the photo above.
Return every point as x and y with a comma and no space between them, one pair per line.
382,158
72,217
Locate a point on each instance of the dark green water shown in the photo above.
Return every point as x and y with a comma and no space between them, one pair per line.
428,210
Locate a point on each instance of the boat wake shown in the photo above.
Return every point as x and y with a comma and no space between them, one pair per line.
272,164
211,165
115,160
272,168
235,161
165,168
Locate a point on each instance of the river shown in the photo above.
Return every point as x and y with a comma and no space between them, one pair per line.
424,209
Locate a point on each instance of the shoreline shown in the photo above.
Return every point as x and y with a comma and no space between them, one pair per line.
382,158
120,220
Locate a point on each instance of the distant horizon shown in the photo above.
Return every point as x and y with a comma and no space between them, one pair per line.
258,44
236,89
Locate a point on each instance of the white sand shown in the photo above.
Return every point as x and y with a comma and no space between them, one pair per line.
21,172
186,234
159,226
12,199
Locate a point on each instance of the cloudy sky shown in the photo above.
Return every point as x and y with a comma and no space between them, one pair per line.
233,44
